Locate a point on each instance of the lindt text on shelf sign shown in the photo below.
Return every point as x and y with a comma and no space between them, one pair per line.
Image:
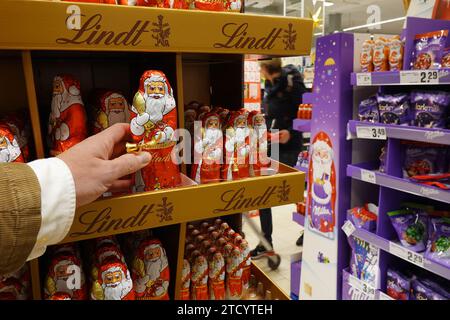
90,30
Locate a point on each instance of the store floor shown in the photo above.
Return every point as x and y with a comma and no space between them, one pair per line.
285,234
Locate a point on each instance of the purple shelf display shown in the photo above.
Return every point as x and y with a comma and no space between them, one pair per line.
299,218
302,169
296,268
368,172
355,289
302,125
405,77
366,130
308,98
401,252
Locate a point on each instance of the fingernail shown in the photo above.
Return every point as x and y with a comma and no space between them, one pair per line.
144,157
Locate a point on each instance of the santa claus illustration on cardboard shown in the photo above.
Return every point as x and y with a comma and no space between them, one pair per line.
153,124
67,123
150,271
322,186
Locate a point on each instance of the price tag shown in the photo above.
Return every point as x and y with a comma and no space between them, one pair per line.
384,296
348,228
368,176
409,76
429,76
404,253
363,79
366,132
362,286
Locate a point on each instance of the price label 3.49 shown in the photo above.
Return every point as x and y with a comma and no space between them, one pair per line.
404,253
362,286
367,132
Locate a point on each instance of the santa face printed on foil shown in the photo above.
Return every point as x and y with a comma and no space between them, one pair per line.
322,189
113,109
237,147
208,151
9,147
234,274
151,271
153,123
216,266
114,281
199,277
258,143
67,123
185,280
246,263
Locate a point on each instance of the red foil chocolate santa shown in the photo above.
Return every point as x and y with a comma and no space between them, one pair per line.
246,263
259,159
208,151
9,146
199,276
153,123
111,108
67,123
237,148
21,131
234,274
216,265
185,281
150,271
16,285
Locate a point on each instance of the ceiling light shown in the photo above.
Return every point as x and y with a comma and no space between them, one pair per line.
374,24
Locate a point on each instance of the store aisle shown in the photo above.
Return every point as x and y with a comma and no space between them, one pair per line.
285,234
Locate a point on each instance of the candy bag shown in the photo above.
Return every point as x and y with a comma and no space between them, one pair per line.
429,108
397,285
420,291
438,247
394,108
420,160
368,110
411,227
366,56
445,62
364,261
428,49
364,217
380,55
396,47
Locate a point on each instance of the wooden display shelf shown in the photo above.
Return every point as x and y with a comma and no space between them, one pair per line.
261,276
47,25
186,203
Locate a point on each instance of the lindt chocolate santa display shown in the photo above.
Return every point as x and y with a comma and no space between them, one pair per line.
110,107
237,148
16,285
199,276
113,281
208,151
150,271
67,123
259,159
216,265
9,147
234,274
153,123
185,280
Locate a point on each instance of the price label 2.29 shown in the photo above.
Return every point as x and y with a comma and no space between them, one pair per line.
402,252
367,132
429,76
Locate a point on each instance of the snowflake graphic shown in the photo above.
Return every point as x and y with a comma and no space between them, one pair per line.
161,32
283,192
164,210
289,38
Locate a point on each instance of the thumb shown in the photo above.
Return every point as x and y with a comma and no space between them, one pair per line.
129,163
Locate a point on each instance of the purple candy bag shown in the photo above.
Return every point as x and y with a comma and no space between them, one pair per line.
364,261
420,291
421,160
368,110
429,108
438,247
394,108
411,227
397,285
436,288
428,49
445,62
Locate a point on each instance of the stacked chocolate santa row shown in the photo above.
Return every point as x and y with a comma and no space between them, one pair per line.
135,269
216,263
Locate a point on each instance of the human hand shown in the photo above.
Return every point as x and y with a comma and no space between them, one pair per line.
284,136
98,163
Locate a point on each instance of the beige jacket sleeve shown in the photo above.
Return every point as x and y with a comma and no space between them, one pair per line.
20,214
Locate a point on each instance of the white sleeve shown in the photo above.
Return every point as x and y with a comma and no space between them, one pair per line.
58,202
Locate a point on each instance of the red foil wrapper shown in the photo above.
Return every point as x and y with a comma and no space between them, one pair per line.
212,5
22,131
9,146
153,123
216,265
246,263
109,107
185,281
258,158
16,285
67,122
234,283
199,276
150,271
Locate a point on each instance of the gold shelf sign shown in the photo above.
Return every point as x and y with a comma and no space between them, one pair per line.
46,25
183,204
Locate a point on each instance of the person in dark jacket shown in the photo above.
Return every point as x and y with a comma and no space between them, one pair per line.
283,91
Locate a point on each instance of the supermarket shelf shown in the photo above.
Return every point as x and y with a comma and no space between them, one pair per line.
367,172
356,289
393,248
406,77
185,203
299,218
302,125
260,275
130,28
430,135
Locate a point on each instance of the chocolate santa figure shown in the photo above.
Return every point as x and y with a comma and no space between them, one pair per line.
322,186
112,108
216,265
153,124
208,151
150,271
16,285
113,281
65,274
21,131
234,274
185,280
199,276
67,123
9,147
237,148
246,263
259,158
